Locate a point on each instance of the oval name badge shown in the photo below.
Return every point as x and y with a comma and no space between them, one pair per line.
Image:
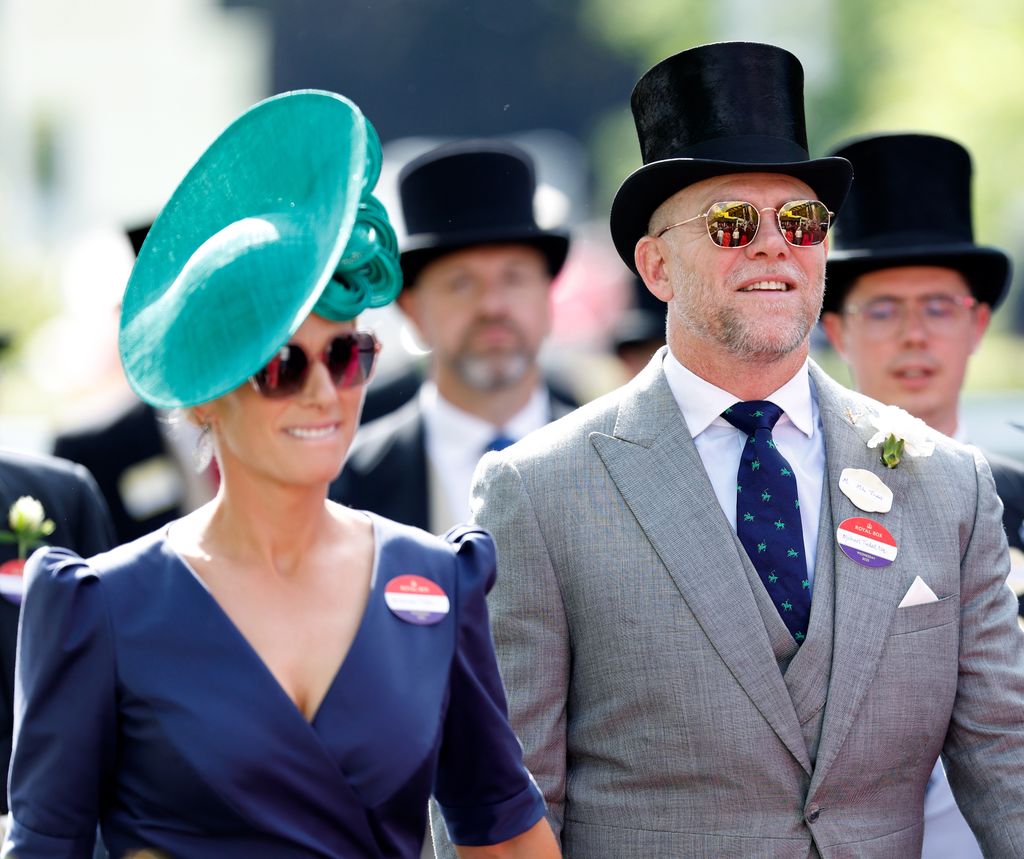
866,542
417,600
866,490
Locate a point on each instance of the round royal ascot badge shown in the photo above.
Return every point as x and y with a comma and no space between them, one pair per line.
416,600
866,541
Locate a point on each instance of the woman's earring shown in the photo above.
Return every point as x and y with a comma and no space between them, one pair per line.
202,453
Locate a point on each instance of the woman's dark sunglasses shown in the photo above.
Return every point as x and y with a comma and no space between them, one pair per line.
349,359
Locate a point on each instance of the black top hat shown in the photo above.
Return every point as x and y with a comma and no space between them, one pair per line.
910,205
643,321
137,235
731,107
468,193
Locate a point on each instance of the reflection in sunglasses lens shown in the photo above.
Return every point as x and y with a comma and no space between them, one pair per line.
732,224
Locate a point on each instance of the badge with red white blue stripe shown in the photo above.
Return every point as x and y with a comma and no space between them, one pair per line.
866,541
12,582
417,600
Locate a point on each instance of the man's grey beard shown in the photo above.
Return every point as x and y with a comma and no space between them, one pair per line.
701,316
492,372
756,342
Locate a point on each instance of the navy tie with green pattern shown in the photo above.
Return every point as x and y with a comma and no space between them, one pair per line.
768,514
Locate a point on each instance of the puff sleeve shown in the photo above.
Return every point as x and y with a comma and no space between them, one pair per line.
65,712
484,791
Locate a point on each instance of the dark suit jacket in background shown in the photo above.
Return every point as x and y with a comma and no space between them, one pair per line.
1009,477
112,449
387,393
70,498
386,471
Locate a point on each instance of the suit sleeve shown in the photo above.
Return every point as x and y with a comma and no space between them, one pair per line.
984,748
64,721
531,636
484,792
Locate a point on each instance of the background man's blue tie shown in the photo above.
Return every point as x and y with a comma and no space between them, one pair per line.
499,442
768,514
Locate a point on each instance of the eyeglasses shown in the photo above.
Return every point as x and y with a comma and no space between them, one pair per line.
349,359
734,223
940,315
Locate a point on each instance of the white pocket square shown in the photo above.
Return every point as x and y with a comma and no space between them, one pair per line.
919,594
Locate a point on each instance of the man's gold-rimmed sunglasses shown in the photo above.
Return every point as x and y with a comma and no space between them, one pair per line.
734,223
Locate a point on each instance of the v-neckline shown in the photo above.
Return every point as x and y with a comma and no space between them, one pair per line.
247,645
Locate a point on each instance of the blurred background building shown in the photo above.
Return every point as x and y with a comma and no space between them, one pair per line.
104,106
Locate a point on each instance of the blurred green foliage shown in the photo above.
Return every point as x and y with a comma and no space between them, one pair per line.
950,67
26,301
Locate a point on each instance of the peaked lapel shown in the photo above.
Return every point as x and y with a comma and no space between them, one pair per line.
865,598
651,447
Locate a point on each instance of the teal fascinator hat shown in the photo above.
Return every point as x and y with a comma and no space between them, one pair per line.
276,220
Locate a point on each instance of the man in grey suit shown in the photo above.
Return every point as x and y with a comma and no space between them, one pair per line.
725,627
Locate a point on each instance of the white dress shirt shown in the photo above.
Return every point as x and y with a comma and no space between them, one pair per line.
798,437
455,441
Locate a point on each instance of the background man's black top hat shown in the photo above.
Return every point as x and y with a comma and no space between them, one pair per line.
910,205
644,320
137,235
473,192
731,107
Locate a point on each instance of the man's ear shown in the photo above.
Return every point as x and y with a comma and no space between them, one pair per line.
408,302
979,325
405,301
652,267
832,323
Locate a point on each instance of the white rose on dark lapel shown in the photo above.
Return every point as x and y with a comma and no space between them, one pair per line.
899,432
29,525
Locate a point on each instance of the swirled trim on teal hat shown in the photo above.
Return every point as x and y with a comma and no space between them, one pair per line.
275,220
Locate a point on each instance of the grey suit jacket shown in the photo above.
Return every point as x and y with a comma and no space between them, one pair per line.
641,674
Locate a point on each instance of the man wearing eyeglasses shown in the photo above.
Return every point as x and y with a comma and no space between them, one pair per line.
907,303
909,299
726,628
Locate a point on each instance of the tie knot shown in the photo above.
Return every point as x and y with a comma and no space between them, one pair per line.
499,442
753,415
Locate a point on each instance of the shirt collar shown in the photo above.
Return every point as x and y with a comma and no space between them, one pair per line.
450,426
702,403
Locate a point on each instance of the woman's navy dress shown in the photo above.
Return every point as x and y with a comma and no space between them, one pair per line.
141,706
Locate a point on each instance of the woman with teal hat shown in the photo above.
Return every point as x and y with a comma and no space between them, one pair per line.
273,675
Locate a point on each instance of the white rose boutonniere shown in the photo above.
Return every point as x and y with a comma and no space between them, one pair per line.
899,433
29,526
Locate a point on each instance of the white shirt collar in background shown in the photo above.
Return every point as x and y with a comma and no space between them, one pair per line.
456,440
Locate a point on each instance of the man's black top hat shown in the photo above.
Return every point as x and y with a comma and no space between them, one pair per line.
643,321
731,107
137,235
473,192
910,205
